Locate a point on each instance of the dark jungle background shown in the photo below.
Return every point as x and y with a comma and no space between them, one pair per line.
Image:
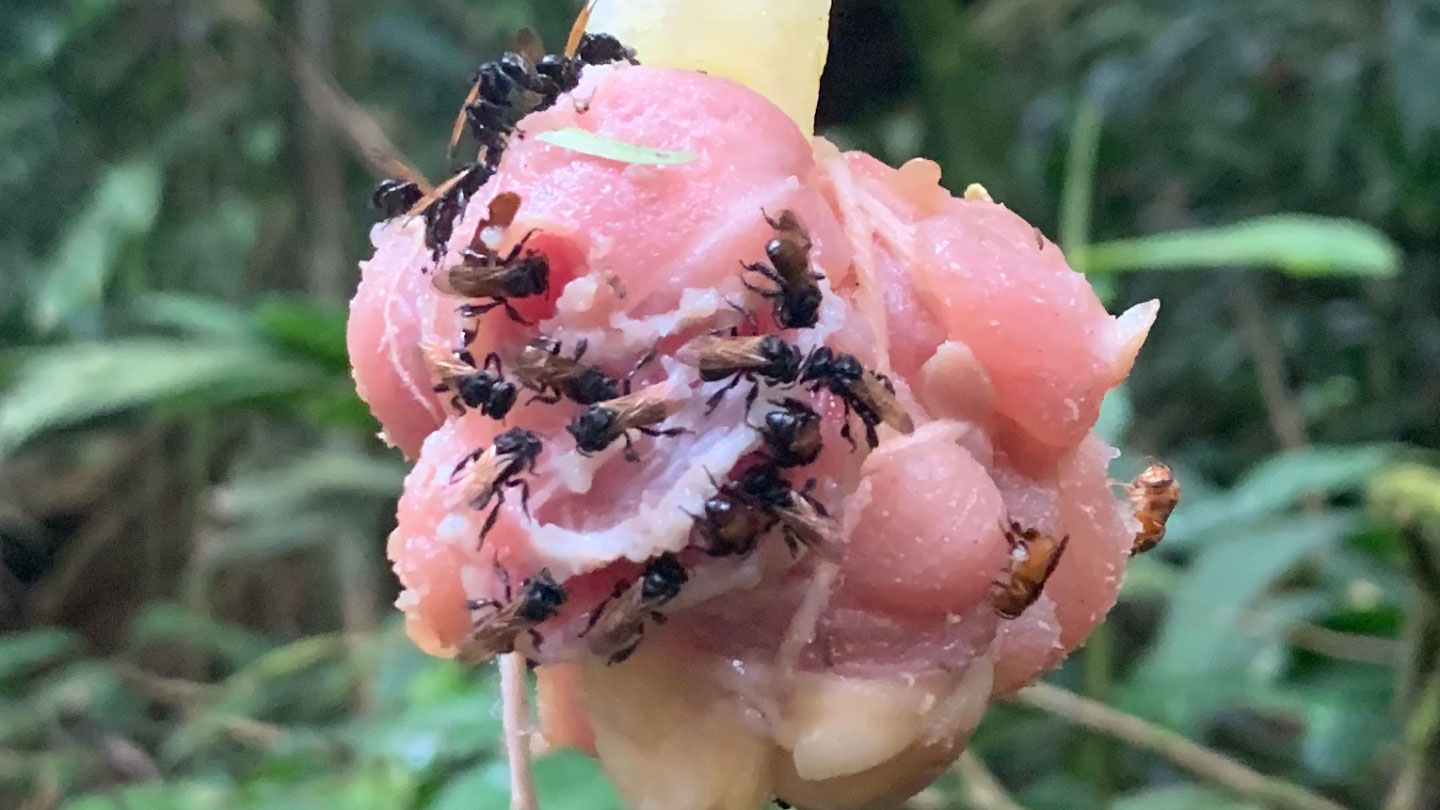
193,597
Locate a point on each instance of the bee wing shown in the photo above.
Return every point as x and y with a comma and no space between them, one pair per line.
436,193
442,360
491,637
619,620
476,479
459,127
467,281
577,30
529,45
645,407
883,400
719,352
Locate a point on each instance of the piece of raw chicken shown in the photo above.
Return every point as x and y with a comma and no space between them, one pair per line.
843,675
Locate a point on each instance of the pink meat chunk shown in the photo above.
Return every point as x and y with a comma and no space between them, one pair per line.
998,352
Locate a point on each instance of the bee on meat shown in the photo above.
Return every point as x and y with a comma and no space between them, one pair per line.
731,523
441,207
485,474
552,376
792,433
484,274
599,425
802,519
394,197
471,386
493,634
603,49
618,625
1154,493
868,395
754,359
796,294
1033,558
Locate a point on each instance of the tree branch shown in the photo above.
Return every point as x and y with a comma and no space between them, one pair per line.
1186,753
982,791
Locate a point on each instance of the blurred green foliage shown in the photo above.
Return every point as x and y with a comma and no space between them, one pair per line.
194,599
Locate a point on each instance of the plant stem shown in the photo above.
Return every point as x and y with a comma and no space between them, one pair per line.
1186,753
982,791
1095,751
1286,419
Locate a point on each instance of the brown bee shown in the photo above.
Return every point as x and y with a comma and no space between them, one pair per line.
599,425
752,359
485,274
1033,558
618,625
868,395
543,369
485,474
796,295
493,634
1154,494
731,523
472,387
792,433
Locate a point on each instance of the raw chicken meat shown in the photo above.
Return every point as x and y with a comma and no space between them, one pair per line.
843,672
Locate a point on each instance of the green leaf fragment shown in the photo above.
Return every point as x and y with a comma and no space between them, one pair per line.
1301,245
590,143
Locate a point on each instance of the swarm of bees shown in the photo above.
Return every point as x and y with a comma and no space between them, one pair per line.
610,408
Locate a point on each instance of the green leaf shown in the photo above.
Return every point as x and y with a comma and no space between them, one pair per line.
1297,244
1226,576
22,652
589,143
193,316
1274,486
173,623
313,332
183,795
67,385
123,206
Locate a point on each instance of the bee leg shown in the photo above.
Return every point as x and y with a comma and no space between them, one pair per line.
536,639
458,405
493,516
581,346
619,657
751,397
658,617
714,401
885,381
657,433
504,577
473,605
548,399
491,359
513,313
630,454
524,494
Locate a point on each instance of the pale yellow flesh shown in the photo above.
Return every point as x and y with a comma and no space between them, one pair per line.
775,47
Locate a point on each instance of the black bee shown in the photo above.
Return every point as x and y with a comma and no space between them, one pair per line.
394,197
617,626
472,387
603,49
599,425
802,518
792,433
731,522
796,294
869,395
765,357
485,474
494,634
542,369
484,274
446,204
